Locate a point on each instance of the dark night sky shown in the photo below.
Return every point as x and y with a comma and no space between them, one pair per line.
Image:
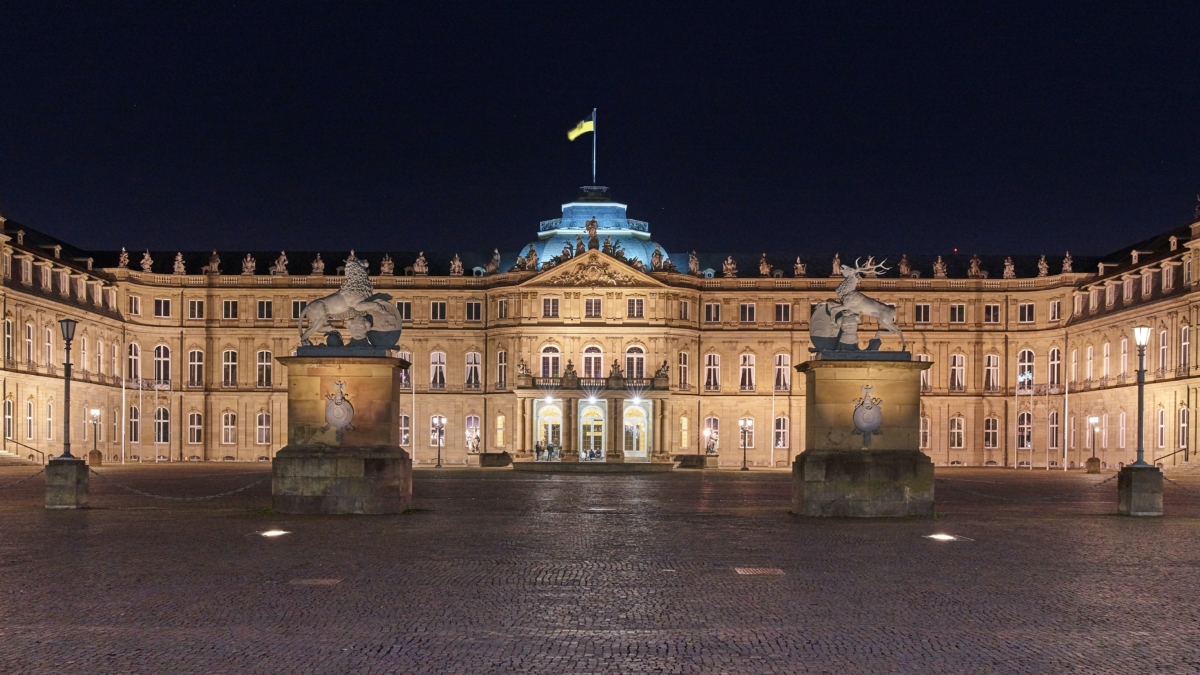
790,126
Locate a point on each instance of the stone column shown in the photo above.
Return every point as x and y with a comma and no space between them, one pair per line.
530,423
570,452
66,483
615,428
657,407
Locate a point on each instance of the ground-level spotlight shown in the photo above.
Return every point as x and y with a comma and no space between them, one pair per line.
946,537
274,533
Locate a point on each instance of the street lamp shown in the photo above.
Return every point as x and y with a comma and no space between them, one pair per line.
747,426
439,426
95,427
68,333
1141,336
1094,422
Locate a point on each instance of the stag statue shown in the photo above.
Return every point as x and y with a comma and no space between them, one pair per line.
835,324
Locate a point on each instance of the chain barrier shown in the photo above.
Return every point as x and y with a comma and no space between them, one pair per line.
1024,499
1177,484
8,485
181,499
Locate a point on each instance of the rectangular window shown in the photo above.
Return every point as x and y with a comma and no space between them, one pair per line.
921,313
923,441
783,372
1147,284
298,307
229,368
228,428
437,310
501,369
135,425
746,381
263,428
683,433
404,309
1025,312
635,308
991,313
712,312
591,308
405,429
956,433
958,313
1161,436
135,305
264,368
783,312
1055,310
195,428
474,311
746,312
501,309
266,310
196,309
685,310
1168,278
499,438
162,308
437,370
473,366
782,432
195,368
550,308
684,371
229,309
991,432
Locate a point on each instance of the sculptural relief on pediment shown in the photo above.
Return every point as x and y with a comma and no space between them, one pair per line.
592,273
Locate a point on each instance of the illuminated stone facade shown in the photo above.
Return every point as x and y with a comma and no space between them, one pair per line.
180,359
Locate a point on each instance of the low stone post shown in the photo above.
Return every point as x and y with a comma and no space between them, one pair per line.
1140,491
1093,465
66,483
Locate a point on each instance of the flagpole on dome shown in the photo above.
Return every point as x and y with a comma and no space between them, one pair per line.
593,146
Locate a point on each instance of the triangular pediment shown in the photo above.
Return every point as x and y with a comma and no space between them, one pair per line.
593,269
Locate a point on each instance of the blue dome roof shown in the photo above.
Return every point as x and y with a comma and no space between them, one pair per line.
594,203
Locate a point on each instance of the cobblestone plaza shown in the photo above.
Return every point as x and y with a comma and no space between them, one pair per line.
500,571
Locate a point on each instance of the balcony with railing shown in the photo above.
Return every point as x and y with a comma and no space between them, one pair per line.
437,385
926,387
783,387
712,386
501,384
746,387
471,386
957,387
593,383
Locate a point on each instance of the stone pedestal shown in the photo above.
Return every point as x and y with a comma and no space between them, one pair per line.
495,459
95,458
359,468
66,484
1140,491
1093,465
847,473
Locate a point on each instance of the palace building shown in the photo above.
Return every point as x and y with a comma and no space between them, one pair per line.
598,350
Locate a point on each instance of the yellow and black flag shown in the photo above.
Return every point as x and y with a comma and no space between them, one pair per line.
583,127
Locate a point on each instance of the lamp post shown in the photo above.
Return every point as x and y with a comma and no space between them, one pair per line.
1141,336
439,426
1094,423
747,426
68,333
95,427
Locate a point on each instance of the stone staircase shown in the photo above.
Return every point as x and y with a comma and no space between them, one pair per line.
1192,467
9,459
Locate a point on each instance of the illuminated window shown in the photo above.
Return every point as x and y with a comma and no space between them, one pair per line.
501,421
593,362
746,373
1052,429
783,372
684,371
162,426
550,361
405,429
635,308
712,372
229,368
1025,431
437,370
782,432
635,363
263,368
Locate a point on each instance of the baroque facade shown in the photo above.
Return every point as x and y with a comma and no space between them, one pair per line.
593,346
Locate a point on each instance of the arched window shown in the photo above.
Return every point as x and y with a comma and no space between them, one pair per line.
29,420
712,433
405,429
1184,419
958,372
991,372
437,431
635,363
1105,357
991,432
782,432
924,440
162,426
550,361
956,433
228,428
501,369
437,370
712,372
1025,431
472,435
746,372
162,363
473,361
783,372
406,373
1052,430
135,425
1124,357
262,426
593,362
1088,370
195,428
746,431
1121,430
135,361
1025,370
1053,366
263,369
549,426
592,440
229,368
29,345
195,368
